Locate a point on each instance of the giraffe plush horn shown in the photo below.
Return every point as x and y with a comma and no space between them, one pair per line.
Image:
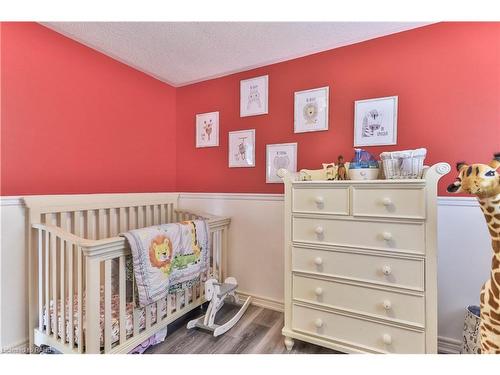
461,164
495,163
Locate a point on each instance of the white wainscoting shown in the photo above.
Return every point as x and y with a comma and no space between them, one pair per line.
256,257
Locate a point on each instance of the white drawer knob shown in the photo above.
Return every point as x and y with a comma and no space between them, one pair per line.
319,230
387,339
386,201
386,270
387,304
318,323
318,291
319,200
387,236
318,261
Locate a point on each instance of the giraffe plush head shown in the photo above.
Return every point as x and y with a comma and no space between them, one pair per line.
482,180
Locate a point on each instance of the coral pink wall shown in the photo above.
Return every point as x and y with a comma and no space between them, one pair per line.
447,77
76,121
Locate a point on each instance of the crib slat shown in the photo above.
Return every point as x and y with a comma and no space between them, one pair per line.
140,217
63,292
163,214
63,220
101,224
159,314
136,316
172,212
123,299
149,215
107,306
77,223
91,225
69,251
40,280
169,305
132,217
112,222
53,266
148,316
156,214
122,217
186,296
48,326
80,298
178,301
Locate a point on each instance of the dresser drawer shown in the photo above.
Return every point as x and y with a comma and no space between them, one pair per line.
321,200
403,203
366,234
382,303
376,336
384,270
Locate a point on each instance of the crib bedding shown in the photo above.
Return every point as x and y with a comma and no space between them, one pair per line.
167,256
115,311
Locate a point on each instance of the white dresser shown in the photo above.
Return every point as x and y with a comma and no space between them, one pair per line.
360,263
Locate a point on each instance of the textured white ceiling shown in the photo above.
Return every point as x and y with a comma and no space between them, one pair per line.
180,53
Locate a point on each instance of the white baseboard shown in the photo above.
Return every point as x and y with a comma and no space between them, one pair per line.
448,345
267,303
20,347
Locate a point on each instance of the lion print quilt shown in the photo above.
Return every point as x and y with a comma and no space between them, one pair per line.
166,257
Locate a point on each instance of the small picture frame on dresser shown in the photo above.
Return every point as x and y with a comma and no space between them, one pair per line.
283,155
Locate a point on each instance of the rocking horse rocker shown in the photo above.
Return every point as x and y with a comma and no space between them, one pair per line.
218,294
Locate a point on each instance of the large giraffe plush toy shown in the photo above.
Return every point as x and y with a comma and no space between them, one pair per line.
483,181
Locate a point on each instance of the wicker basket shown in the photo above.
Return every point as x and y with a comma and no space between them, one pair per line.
403,164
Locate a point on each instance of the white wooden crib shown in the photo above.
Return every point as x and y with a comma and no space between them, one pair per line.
77,259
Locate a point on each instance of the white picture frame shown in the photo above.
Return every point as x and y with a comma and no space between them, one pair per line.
311,110
376,121
254,96
207,129
242,148
282,155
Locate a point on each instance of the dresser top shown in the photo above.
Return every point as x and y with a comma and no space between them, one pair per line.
419,181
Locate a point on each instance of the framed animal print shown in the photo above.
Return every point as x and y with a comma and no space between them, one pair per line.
253,96
283,155
207,129
311,110
242,149
376,121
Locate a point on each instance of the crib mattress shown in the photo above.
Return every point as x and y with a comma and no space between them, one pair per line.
115,313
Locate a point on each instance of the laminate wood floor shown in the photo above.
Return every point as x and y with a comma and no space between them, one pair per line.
257,332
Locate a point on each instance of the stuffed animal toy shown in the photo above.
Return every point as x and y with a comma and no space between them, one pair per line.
342,171
326,173
483,181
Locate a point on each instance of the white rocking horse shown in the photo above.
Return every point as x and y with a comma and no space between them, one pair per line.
217,294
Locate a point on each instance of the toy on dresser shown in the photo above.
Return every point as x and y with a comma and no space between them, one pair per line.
483,181
328,172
